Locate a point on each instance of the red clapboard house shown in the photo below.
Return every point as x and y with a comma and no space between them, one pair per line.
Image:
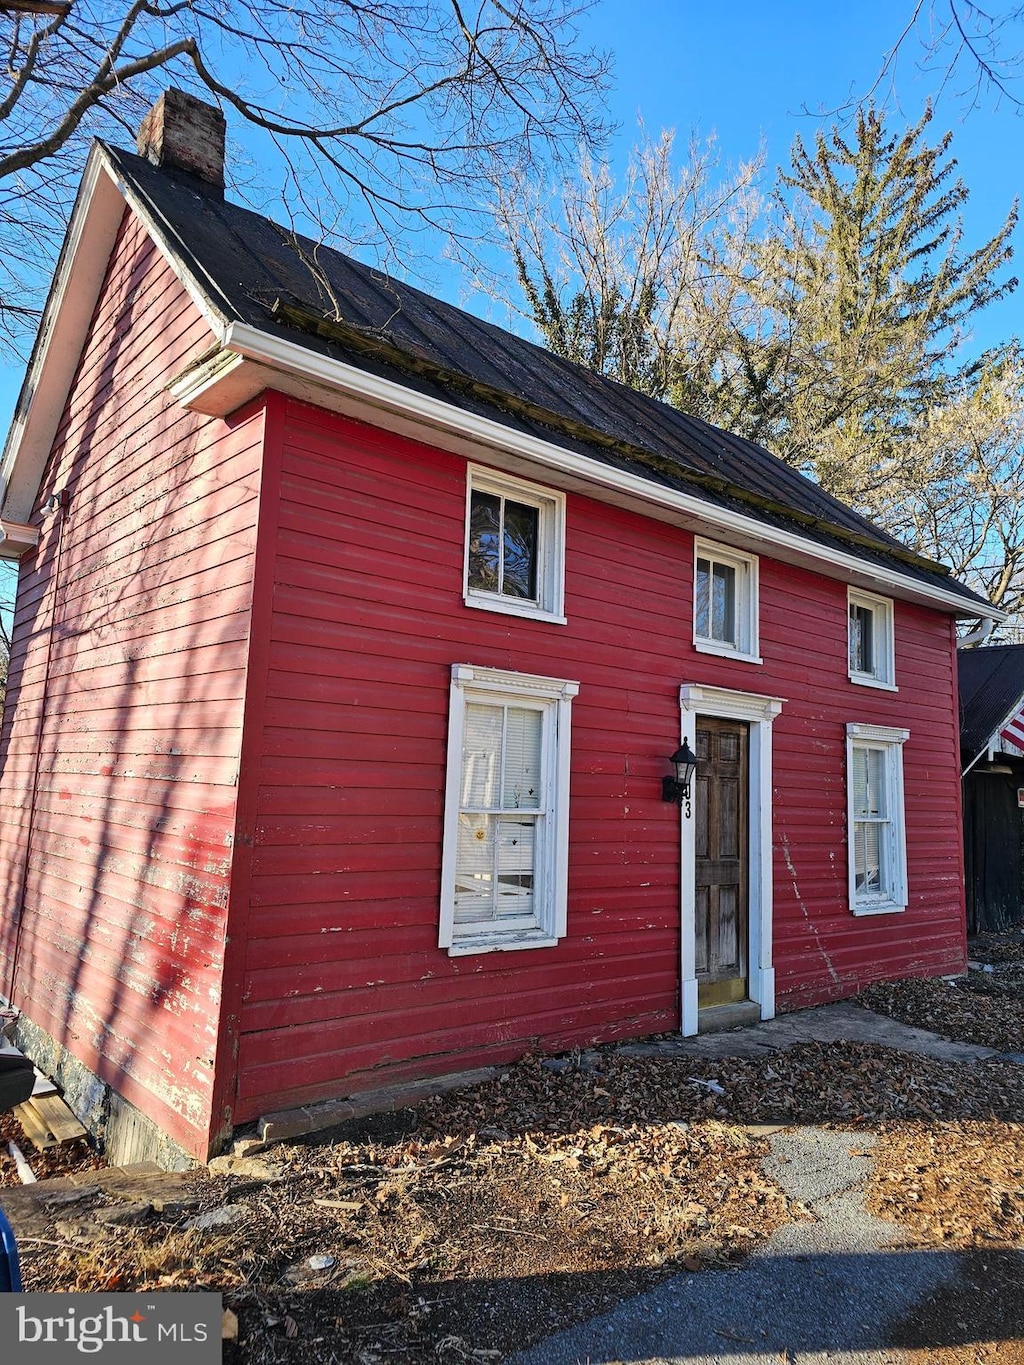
353,639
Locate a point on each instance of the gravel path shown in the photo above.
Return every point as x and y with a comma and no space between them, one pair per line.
821,1290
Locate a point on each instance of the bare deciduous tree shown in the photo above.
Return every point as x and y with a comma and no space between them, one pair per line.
827,323
385,110
978,49
640,282
957,493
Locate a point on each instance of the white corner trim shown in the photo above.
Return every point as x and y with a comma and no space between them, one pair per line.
698,699
298,360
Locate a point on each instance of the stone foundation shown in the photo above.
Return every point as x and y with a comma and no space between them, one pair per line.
123,1133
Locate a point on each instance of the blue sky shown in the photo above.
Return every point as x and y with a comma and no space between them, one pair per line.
754,73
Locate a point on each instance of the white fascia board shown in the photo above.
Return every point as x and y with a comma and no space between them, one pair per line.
73,294
69,308
295,359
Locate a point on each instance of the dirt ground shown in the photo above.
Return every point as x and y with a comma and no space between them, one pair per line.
484,1219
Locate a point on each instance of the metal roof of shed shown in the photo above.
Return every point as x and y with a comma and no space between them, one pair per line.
991,689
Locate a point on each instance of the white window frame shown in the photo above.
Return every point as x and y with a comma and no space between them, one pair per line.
889,741
883,672
550,505
554,698
745,566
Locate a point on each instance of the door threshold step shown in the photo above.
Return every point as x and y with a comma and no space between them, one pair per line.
739,1014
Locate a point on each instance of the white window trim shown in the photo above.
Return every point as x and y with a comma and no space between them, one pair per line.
550,604
884,676
747,647
698,699
558,693
891,740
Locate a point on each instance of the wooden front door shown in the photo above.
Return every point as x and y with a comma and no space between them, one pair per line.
721,791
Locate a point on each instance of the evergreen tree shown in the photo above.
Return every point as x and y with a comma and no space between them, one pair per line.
867,290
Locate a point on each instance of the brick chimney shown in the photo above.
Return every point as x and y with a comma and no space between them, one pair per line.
183,132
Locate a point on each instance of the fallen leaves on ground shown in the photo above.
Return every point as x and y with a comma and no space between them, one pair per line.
952,1184
61,1160
981,1007
489,1217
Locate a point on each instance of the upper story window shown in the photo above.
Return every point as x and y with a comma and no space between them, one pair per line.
506,832
725,601
515,539
871,652
876,823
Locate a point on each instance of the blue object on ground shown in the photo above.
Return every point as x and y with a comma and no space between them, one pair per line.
10,1271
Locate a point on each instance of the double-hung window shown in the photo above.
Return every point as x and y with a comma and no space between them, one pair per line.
515,538
725,606
876,824
870,639
504,864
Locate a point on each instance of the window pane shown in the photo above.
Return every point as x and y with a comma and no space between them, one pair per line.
862,639
702,605
868,872
522,759
481,755
495,874
484,541
474,876
501,755
868,783
520,547
516,840
723,604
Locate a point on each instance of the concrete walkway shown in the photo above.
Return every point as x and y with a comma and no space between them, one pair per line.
841,1023
824,1291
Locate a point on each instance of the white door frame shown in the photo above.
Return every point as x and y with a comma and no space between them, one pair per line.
697,699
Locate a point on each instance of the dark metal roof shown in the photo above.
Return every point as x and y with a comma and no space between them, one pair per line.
256,272
991,687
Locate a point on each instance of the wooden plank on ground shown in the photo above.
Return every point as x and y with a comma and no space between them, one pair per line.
36,1130
57,1117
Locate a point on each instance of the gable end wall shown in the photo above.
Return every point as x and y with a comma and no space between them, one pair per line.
121,733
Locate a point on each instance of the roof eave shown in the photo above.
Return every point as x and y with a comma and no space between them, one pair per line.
247,358
252,359
62,331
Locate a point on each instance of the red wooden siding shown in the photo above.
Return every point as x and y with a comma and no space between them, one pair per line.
343,980
122,729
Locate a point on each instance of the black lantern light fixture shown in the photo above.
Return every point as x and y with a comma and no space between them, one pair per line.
677,788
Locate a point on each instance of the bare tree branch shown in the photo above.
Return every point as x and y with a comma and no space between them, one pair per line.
401,110
974,50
